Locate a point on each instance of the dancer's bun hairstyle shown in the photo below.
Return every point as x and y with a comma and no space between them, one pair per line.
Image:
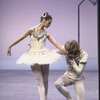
46,16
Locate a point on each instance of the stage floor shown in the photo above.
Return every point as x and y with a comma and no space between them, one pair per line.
21,85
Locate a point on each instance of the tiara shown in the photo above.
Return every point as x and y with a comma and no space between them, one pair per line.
44,14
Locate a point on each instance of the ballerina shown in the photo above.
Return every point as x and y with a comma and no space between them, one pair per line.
39,57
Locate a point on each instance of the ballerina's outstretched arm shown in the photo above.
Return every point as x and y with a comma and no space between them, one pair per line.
17,41
56,44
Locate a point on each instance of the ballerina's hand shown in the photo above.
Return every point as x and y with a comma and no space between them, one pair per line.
9,52
29,45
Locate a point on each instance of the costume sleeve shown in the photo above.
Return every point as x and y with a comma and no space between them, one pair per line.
79,67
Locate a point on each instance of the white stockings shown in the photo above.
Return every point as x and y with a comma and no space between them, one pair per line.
64,81
41,73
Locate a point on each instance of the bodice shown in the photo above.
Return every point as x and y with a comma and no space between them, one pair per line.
38,39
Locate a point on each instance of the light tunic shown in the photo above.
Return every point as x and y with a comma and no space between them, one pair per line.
76,66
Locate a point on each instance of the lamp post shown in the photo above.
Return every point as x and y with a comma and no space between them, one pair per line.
94,2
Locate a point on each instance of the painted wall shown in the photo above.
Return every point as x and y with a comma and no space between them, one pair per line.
17,16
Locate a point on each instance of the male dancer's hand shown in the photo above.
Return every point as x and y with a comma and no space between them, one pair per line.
70,56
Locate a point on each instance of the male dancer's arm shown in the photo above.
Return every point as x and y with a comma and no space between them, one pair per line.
79,67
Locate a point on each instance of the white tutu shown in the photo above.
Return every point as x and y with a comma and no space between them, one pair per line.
43,56
38,54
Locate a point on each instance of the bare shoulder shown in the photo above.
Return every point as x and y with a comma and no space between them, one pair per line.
31,30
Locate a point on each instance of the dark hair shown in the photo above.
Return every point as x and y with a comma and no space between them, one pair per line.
72,46
45,16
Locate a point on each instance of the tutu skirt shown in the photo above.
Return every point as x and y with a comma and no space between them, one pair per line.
42,56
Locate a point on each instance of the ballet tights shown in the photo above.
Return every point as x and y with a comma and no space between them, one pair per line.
41,73
64,81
